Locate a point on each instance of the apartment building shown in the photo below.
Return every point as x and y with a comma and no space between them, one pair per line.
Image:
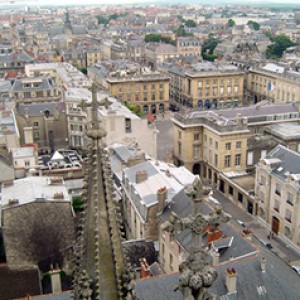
273,82
278,193
35,89
223,146
204,85
148,187
132,84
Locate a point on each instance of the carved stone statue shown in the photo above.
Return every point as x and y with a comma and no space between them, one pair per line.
195,275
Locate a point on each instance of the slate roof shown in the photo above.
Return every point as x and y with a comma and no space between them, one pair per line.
134,250
182,206
39,108
49,226
18,283
277,283
45,84
289,161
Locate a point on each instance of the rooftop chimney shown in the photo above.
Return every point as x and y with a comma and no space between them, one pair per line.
141,176
162,194
55,279
145,269
263,264
213,234
215,257
28,135
231,280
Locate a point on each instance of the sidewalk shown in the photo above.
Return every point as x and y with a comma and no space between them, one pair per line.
260,231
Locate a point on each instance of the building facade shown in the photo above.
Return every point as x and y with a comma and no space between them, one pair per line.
132,84
273,83
205,85
278,193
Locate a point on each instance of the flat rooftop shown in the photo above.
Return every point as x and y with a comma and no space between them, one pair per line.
29,189
285,131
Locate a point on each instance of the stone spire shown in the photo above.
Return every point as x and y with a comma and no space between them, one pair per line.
100,271
196,276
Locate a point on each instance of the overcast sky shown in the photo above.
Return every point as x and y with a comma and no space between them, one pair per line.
99,2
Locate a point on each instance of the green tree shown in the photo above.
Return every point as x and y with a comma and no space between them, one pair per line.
281,43
152,37
230,23
209,45
83,70
190,23
180,31
77,204
255,25
102,20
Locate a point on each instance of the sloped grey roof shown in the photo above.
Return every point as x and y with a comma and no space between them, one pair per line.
135,250
290,161
39,108
278,281
147,166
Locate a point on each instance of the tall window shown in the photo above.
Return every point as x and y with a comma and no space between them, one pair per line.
179,148
238,159
196,151
278,189
228,146
288,215
290,199
196,137
227,161
216,159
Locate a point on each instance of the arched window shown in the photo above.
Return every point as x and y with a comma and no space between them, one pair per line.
207,104
200,104
215,103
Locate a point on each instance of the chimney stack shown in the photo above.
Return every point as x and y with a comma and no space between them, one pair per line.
231,280
28,135
263,264
55,279
162,194
145,269
215,257
141,176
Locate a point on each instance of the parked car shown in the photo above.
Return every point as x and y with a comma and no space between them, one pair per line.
173,107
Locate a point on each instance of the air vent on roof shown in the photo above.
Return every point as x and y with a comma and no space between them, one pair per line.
261,290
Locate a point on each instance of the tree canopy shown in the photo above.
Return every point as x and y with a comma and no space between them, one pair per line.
281,43
190,23
230,23
180,31
209,46
153,37
255,25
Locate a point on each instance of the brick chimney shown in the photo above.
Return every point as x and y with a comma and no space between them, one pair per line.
214,234
231,280
162,194
141,176
145,269
263,264
55,279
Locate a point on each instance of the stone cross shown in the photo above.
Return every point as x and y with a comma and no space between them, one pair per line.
195,274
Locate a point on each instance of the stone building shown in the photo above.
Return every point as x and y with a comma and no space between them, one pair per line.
223,146
274,83
204,85
35,89
277,192
44,124
147,188
133,84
